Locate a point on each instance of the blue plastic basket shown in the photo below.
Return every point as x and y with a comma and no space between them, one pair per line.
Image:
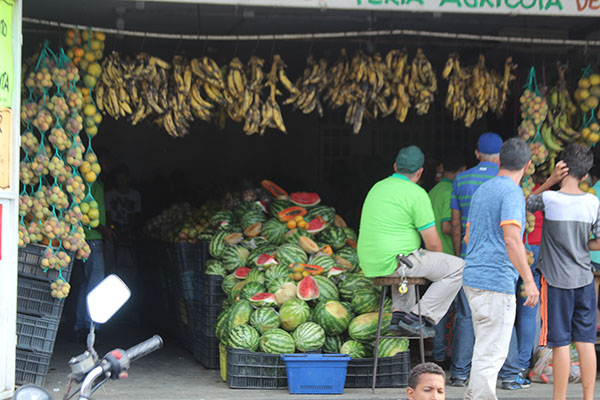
316,373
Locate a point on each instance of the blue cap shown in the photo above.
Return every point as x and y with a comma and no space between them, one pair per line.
489,143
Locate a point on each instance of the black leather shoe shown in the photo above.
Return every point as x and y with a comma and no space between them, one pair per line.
457,382
410,323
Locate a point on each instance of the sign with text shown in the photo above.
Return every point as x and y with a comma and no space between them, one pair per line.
6,53
564,8
5,148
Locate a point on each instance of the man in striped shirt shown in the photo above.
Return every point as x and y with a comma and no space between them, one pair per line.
464,186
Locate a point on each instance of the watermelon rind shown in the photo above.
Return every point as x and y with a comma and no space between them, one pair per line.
274,231
323,261
365,301
352,284
234,257
239,314
332,316
217,245
309,336
389,347
250,289
263,319
327,289
277,341
289,253
332,344
228,283
293,313
243,337
364,327
354,349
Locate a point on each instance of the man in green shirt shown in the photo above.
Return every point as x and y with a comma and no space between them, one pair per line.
396,216
440,196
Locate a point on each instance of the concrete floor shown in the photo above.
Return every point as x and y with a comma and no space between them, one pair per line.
172,373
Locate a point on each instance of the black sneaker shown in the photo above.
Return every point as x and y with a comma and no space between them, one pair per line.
410,323
519,383
457,382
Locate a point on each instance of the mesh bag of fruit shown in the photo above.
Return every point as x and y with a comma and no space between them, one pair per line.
587,93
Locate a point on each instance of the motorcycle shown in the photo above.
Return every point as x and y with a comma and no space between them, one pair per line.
87,369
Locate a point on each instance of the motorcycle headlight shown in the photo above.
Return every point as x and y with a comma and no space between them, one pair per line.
32,392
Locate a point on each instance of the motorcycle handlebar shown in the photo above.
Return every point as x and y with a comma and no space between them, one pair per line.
146,347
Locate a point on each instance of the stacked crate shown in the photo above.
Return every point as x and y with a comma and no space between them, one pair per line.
38,315
206,344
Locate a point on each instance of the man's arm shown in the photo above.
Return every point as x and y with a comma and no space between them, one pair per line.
447,227
431,239
456,226
560,171
518,257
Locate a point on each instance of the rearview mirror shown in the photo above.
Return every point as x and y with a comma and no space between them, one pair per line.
107,298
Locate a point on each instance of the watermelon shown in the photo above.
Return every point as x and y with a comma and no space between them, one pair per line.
348,306
261,253
325,212
339,221
263,319
250,289
309,336
236,289
221,325
228,283
293,313
256,275
221,217
336,273
324,261
387,305
277,283
276,206
307,289
332,344
274,231
389,347
217,245
286,292
214,267
333,236
350,234
277,341
352,284
253,230
354,349
241,272
316,225
294,235
305,199
233,239
234,257
205,236
366,301
243,337
327,289
332,316
245,207
253,243
252,217
364,327
263,299
239,314
276,271
348,253
289,253
307,244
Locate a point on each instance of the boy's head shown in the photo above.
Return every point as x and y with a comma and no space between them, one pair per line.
426,382
579,160
514,154
453,163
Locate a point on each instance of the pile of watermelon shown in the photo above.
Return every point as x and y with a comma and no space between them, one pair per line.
294,290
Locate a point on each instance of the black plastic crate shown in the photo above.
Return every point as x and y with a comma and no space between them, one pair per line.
248,370
36,333
185,284
31,367
33,298
212,294
194,309
208,320
190,256
391,372
206,351
30,261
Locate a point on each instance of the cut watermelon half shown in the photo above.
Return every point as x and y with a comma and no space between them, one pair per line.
263,299
265,260
308,289
241,272
305,199
275,190
334,271
316,225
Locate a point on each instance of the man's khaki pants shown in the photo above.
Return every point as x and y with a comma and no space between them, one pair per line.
493,320
445,273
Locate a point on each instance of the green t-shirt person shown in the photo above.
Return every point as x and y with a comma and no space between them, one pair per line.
440,196
395,212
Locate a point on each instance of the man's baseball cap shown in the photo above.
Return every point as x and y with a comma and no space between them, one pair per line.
409,159
489,143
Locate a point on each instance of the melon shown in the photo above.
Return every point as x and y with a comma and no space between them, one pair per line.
214,268
339,221
278,205
325,212
221,217
263,299
276,284
307,289
305,199
241,272
217,245
324,261
308,244
286,292
294,235
253,230
233,238
236,289
252,217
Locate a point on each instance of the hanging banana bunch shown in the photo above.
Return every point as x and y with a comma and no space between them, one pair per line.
211,79
337,75
310,86
397,63
270,112
240,96
422,83
255,79
504,87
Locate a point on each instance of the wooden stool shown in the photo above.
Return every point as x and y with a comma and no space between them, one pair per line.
384,283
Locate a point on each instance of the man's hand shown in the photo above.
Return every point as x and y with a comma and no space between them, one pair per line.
532,293
560,171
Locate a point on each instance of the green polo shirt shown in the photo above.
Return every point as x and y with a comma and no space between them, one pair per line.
440,196
97,191
394,212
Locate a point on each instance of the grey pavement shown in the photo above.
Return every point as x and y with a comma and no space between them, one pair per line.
172,373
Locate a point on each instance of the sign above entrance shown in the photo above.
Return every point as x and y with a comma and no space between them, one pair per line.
562,8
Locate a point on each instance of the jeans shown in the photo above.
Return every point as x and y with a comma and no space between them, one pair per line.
527,322
439,340
93,274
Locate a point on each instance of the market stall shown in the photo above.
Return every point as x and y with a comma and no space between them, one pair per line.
209,123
